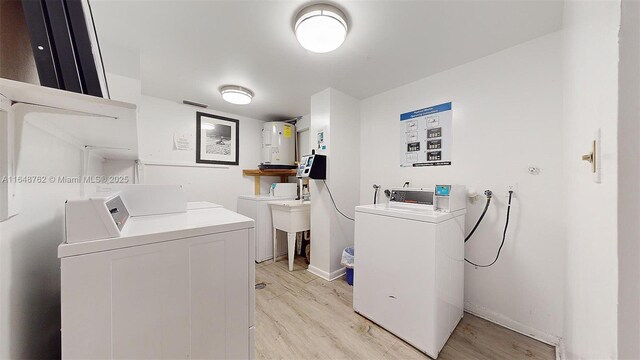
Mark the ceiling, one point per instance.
(188, 49)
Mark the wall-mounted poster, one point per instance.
(183, 141)
(217, 139)
(426, 136)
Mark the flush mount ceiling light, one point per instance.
(321, 28)
(236, 94)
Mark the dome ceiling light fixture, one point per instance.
(236, 94)
(321, 28)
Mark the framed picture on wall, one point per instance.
(217, 139)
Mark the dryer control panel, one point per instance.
(95, 218)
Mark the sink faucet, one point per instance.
(302, 195)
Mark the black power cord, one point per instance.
(504, 233)
(334, 202)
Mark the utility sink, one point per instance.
(290, 216)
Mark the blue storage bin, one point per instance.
(350, 276)
(348, 260)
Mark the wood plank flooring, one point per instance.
(300, 316)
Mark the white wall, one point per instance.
(343, 175)
(320, 263)
(123, 168)
(124, 88)
(302, 127)
(339, 115)
(29, 266)
(507, 115)
(159, 119)
(629, 183)
(590, 102)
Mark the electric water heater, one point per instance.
(278, 146)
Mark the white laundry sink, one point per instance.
(291, 215)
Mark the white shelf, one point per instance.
(39, 95)
(106, 126)
(176, 164)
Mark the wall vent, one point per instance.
(193, 103)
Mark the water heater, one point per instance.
(278, 146)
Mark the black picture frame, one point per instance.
(225, 140)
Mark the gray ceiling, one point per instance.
(188, 49)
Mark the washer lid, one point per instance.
(197, 205)
(144, 230)
(430, 216)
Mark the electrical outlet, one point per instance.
(511, 187)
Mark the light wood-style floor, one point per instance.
(300, 316)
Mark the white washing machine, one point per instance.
(178, 284)
(409, 264)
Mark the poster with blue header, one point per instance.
(426, 136)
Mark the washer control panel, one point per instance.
(412, 196)
(443, 190)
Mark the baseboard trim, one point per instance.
(317, 272)
(513, 325)
(561, 350)
(326, 275)
(337, 274)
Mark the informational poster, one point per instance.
(320, 136)
(426, 136)
(182, 141)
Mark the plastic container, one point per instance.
(348, 261)
(350, 276)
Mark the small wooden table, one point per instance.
(284, 175)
